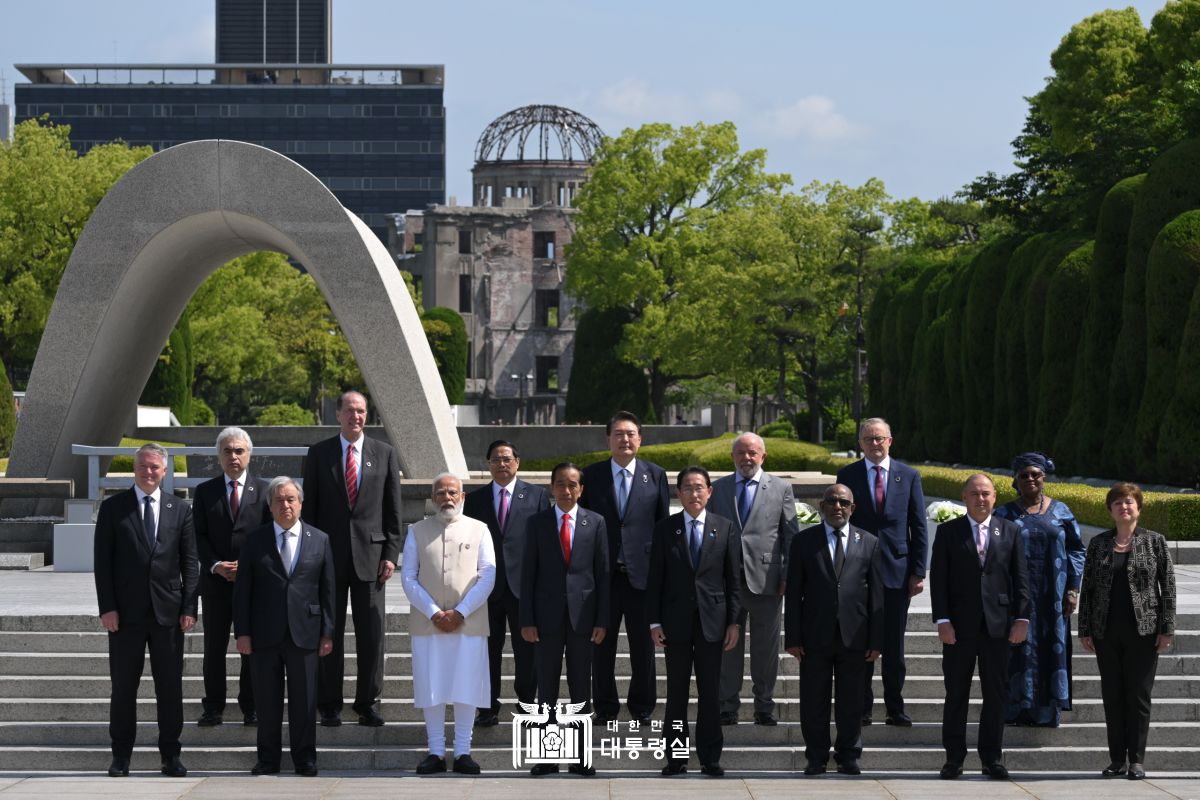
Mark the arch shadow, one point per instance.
(161, 230)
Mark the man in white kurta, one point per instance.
(449, 570)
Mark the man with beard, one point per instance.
(449, 569)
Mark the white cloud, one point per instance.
(813, 118)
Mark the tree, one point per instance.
(8, 413)
(47, 193)
(601, 383)
(170, 383)
(643, 235)
(285, 414)
(447, 335)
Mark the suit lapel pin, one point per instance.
(583, 522)
(168, 505)
(645, 478)
(368, 463)
(521, 496)
(467, 545)
(678, 532)
(995, 532)
(857, 537)
(249, 488)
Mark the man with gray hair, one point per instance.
(224, 510)
(146, 574)
(449, 569)
(763, 511)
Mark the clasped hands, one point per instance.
(447, 621)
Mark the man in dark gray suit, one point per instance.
(283, 620)
(505, 504)
(146, 576)
(763, 511)
(353, 488)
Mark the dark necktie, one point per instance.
(502, 517)
(351, 476)
(839, 554)
(623, 493)
(696, 540)
(233, 500)
(148, 522)
(879, 490)
(744, 503)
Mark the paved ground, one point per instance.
(369, 787)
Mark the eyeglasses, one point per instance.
(876, 439)
(692, 488)
(838, 501)
(233, 451)
(501, 460)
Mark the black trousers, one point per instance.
(502, 612)
(126, 660)
(629, 603)
(958, 668)
(682, 657)
(216, 596)
(269, 665)
(895, 621)
(1127, 664)
(818, 671)
(368, 612)
(576, 647)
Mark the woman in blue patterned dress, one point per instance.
(1039, 682)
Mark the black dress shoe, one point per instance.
(1114, 770)
(713, 770)
(333, 720)
(1136, 772)
(900, 720)
(370, 718)
(674, 769)
(950, 771)
(543, 769)
(866, 720)
(250, 719)
(263, 768)
(764, 718)
(308, 770)
(173, 768)
(814, 768)
(996, 771)
(580, 769)
(209, 719)
(119, 768)
(465, 765)
(487, 719)
(729, 718)
(431, 764)
(849, 766)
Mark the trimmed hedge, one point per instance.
(602, 384)
(170, 384)
(8, 414)
(1066, 298)
(1178, 437)
(447, 335)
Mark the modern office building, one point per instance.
(375, 134)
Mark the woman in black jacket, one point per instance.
(1127, 617)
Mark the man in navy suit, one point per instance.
(693, 608)
(505, 504)
(889, 503)
(146, 576)
(283, 620)
(225, 510)
(564, 591)
(631, 495)
(979, 592)
(352, 483)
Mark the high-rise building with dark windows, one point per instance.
(375, 134)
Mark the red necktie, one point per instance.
(351, 476)
(879, 490)
(564, 536)
(233, 500)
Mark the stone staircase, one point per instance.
(54, 709)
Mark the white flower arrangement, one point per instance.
(806, 514)
(944, 511)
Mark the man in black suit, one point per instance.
(693, 608)
(283, 620)
(631, 495)
(979, 592)
(505, 504)
(353, 489)
(834, 626)
(146, 575)
(564, 590)
(889, 502)
(224, 510)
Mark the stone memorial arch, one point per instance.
(158, 233)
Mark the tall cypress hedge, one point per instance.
(1078, 446)
(1172, 186)
(170, 384)
(909, 315)
(600, 383)
(1172, 273)
(1179, 436)
(447, 336)
(8, 413)
(1066, 299)
(928, 369)
(954, 300)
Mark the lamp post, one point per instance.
(521, 380)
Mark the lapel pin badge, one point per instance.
(368, 463)
(583, 522)
(857, 537)
(521, 496)
(645, 478)
(678, 532)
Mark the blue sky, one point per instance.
(925, 94)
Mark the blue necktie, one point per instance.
(623, 493)
(744, 503)
(148, 522)
(696, 539)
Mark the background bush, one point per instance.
(285, 414)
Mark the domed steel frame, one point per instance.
(577, 136)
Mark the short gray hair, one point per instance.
(234, 433)
(278, 482)
(866, 423)
(152, 447)
(750, 435)
(441, 476)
